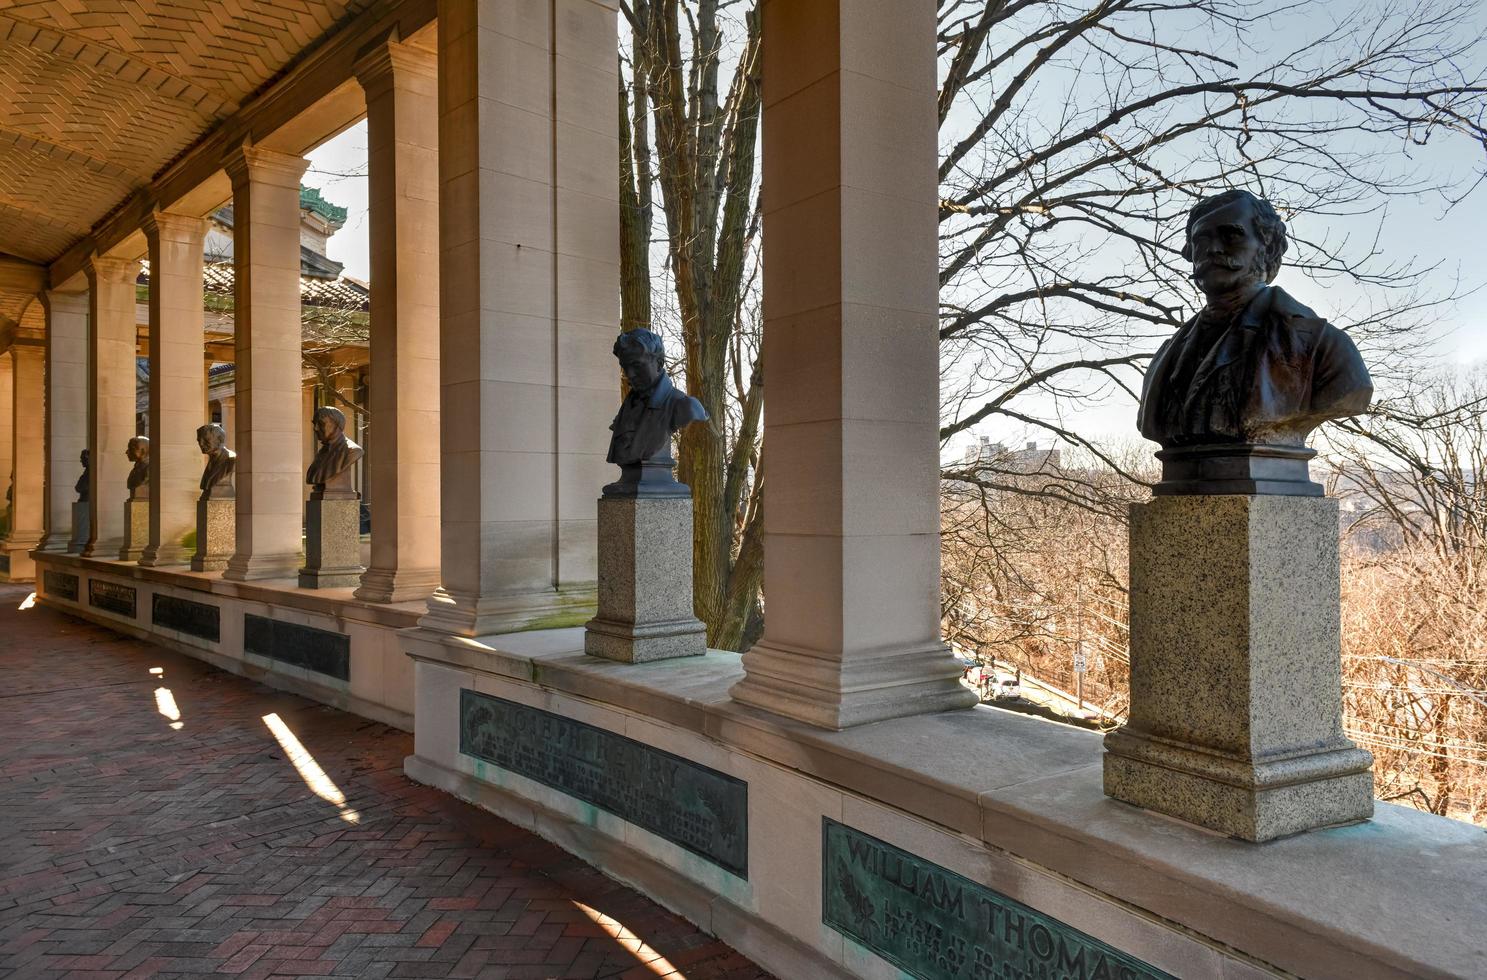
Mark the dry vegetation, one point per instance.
(1035, 563)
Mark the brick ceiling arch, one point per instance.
(97, 98)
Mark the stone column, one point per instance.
(28, 458)
(402, 463)
(529, 300)
(266, 312)
(852, 553)
(7, 436)
(66, 409)
(177, 382)
(111, 386)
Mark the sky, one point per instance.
(1421, 231)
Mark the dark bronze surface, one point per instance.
(60, 585)
(322, 651)
(699, 809)
(1254, 367)
(938, 925)
(199, 619)
(653, 411)
(112, 597)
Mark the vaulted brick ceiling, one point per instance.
(97, 97)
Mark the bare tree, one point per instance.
(1076, 136)
(702, 161)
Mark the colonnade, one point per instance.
(495, 271)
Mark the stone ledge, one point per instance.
(338, 603)
(1398, 896)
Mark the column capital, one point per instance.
(251, 164)
(386, 62)
(110, 269)
(57, 301)
(173, 227)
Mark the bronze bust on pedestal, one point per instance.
(1234, 393)
(654, 410)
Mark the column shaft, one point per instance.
(177, 382)
(529, 298)
(66, 409)
(111, 398)
(402, 462)
(266, 323)
(850, 350)
(7, 438)
(28, 458)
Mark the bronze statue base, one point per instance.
(650, 478)
(1244, 468)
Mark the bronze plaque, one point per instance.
(111, 596)
(937, 925)
(696, 808)
(60, 585)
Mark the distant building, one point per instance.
(1029, 459)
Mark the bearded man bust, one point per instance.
(1233, 395)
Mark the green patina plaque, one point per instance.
(696, 808)
(937, 925)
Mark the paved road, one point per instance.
(159, 817)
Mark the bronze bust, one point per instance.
(330, 471)
(216, 477)
(1233, 395)
(138, 453)
(654, 410)
(81, 487)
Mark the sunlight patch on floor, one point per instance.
(27, 602)
(309, 770)
(165, 703)
(652, 959)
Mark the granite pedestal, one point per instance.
(332, 541)
(136, 529)
(1236, 685)
(82, 526)
(216, 533)
(645, 581)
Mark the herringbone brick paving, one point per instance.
(134, 843)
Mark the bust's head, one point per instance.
(138, 449)
(1234, 240)
(642, 357)
(82, 458)
(328, 424)
(211, 437)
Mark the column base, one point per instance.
(16, 564)
(637, 643)
(136, 530)
(253, 568)
(1248, 799)
(397, 584)
(467, 615)
(829, 690)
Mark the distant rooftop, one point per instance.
(310, 200)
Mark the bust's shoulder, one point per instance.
(1281, 305)
(684, 408)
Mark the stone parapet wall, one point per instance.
(329, 648)
(965, 844)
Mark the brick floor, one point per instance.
(132, 848)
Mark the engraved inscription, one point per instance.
(696, 808)
(111, 596)
(323, 651)
(937, 925)
(186, 616)
(60, 585)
